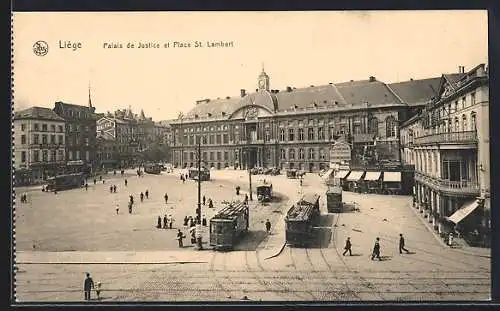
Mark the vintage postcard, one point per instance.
(251, 156)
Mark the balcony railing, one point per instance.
(454, 187)
(447, 138)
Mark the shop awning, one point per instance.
(354, 176)
(326, 176)
(341, 174)
(463, 212)
(392, 176)
(372, 175)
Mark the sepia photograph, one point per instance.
(299, 156)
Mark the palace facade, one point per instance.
(296, 127)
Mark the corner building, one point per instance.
(448, 143)
(293, 128)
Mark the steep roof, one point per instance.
(322, 96)
(416, 92)
(214, 106)
(375, 93)
(39, 113)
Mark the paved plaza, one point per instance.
(77, 231)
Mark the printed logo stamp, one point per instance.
(40, 48)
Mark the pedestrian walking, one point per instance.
(130, 207)
(204, 221)
(86, 187)
(114, 172)
(301, 182)
(376, 250)
(88, 285)
(347, 247)
(191, 222)
(402, 244)
(166, 198)
(111, 189)
(114, 188)
(186, 176)
(147, 194)
(193, 237)
(238, 190)
(95, 181)
(170, 221)
(103, 181)
(165, 222)
(117, 207)
(142, 197)
(246, 199)
(183, 179)
(126, 182)
(131, 199)
(204, 199)
(180, 236)
(450, 239)
(210, 203)
(158, 224)
(268, 226)
(185, 223)
(100, 177)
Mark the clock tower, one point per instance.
(263, 82)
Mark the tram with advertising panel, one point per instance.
(65, 182)
(300, 220)
(229, 225)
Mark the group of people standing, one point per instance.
(376, 247)
(168, 222)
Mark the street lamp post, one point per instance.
(249, 174)
(198, 210)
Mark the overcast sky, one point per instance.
(297, 49)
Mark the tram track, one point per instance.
(300, 277)
(326, 280)
(218, 284)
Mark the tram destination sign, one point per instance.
(340, 152)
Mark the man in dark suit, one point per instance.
(402, 244)
(88, 285)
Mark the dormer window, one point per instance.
(209, 114)
(196, 116)
(223, 113)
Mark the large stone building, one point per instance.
(124, 138)
(39, 144)
(80, 135)
(448, 143)
(295, 127)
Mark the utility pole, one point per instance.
(249, 175)
(198, 210)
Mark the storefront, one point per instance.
(373, 183)
(353, 181)
(392, 182)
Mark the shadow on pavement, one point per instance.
(251, 240)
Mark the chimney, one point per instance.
(461, 69)
(243, 92)
(411, 79)
(288, 88)
(372, 79)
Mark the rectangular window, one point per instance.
(291, 134)
(45, 156)
(23, 139)
(23, 127)
(218, 155)
(301, 154)
(282, 135)
(282, 154)
(37, 127)
(311, 154)
(211, 156)
(464, 103)
(473, 99)
(310, 133)
(87, 155)
(321, 133)
(211, 139)
(52, 127)
(225, 138)
(86, 139)
(44, 127)
(218, 139)
(60, 139)
(226, 155)
(36, 156)
(61, 129)
(301, 134)
(60, 155)
(52, 139)
(23, 156)
(44, 139)
(204, 155)
(204, 140)
(77, 155)
(267, 135)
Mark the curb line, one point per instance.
(107, 263)
(278, 253)
(438, 238)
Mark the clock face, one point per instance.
(261, 83)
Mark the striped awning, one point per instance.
(341, 174)
(372, 175)
(463, 212)
(392, 176)
(355, 176)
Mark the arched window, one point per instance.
(464, 122)
(373, 125)
(457, 125)
(391, 126)
(473, 121)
